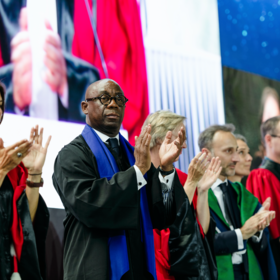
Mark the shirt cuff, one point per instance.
(141, 182)
(257, 239)
(167, 180)
(240, 242)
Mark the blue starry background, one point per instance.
(250, 36)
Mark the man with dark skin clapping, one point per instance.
(112, 193)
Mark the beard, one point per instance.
(226, 171)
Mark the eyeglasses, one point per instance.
(273, 135)
(106, 99)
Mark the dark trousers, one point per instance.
(239, 272)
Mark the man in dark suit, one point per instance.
(241, 241)
(113, 195)
(66, 75)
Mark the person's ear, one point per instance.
(84, 106)
(267, 140)
(159, 141)
(206, 151)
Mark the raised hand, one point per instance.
(266, 204)
(142, 150)
(170, 150)
(211, 175)
(35, 159)
(11, 156)
(256, 223)
(198, 166)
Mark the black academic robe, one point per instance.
(191, 256)
(96, 206)
(32, 264)
(80, 74)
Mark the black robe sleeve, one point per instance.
(96, 202)
(32, 265)
(107, 204)
(225, 243)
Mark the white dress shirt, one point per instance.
(141, 182)
(237, 256)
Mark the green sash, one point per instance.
(247, 204)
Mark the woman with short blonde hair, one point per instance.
(202, 174)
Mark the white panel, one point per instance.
(15, 128)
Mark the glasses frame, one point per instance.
(110, 99)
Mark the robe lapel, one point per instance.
(214, 205)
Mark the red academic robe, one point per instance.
(262, 183)
(120, 34)
(161, 238)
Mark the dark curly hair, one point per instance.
(2, 93)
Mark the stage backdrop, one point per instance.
(250, 37)
(184, 64)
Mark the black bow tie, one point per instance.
(113, 142)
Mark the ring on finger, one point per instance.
(19, 155)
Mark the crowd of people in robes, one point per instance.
(129, 213)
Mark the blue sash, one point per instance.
(107, 167)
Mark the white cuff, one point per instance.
(167, 180)
(141, 182)
(257, 239)
(239, 239)
(64, 97)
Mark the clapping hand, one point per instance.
(211, 175)
(170, 150)
(197, 167)
(36, 156)
(142, 150)
(11, 156)
(256, 223)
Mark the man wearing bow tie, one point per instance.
(241, 242)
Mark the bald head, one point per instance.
(104, 118)
(98, 85)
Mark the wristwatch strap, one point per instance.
(31, 184)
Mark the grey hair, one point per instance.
(161, 122)
(269, 126)
(206, 137)
(241, 137)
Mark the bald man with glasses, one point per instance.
(112, 193)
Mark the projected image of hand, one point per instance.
(55, 75)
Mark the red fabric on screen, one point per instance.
(17, 177)
(161, 238)
(262, 183)
(120, 35)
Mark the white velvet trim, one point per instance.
(15, 276)
(12, 250)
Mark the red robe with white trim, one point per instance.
(161, 238)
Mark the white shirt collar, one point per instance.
(217, 183)
(104, 137)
